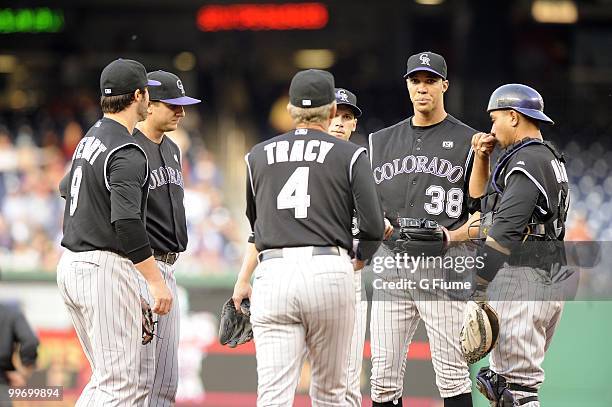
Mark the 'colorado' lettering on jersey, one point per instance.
(166, 175)
(437, 166)
(423, 172)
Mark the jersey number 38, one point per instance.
(451, 201)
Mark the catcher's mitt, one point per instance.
(479, 331)
(235, 327)
(148, 325)
(421, 236)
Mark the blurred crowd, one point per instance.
(35, 152)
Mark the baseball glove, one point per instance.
(235, 327)
(479, 332)
(422, 236)
(148, 325)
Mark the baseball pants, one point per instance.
(303, 306)
(394, 320)
(102, 295)
(529, 310)
(353, 388)
(165, 381)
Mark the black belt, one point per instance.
(316, 251)
(169, 257)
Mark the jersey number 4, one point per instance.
(453, 202)
(294, 194)
(75, 186)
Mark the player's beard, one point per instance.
(142, 110)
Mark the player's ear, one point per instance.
(444, 85)
(514, 118)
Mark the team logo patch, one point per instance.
(448, 144)
(341, 94)
(179, 85)
(424, 58)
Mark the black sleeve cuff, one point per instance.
(251, 238)
(493, 261)
(133, 239)
(473, 205)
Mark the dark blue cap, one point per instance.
(171, 90)
(123, 76)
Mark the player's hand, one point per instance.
(483, 144)
(358, 264)
(242, 290)
(388, 229)
(162, 297)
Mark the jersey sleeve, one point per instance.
(516, 208)
(250, 200)
(127, 172)
(367, 206)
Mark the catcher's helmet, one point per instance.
(521, 98)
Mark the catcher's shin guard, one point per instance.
(499, 392)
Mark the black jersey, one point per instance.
(303, 187)
(423, 172)
(88, 215)
(166, 225)
(532, 188)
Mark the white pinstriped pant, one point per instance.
(529, 311)
(303, 305)
(165, 382)
(102, 296)
(394, 320)
(353, 388)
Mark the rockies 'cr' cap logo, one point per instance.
(341, 94)
(179, 85)
(424, 59)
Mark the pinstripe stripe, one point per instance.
(303, 306)
(100, 290)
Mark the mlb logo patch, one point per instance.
(448, 144)
(107, 91)
(301, 132)
(306, 102)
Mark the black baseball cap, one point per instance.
(123, 76)
(348, 98)
(426, 61)
(171, 90)
(311, 88)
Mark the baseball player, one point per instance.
(528, 198)
(108, 254)
(15, 333)
(421, 167)
(166, 224)
(302, 189)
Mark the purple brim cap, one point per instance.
(151, 82)
(182, 101)
(423, 69)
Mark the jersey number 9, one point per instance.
(75, 186)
